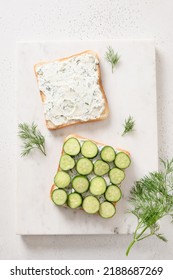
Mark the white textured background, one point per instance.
(67, 19)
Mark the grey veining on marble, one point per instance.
(131, 89)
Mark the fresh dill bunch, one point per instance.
(151, 199)
(112, 57)
(32, 138)
(128, 125)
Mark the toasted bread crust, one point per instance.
(104, 114)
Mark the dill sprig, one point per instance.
(32, 138)
(152, 199)
(128, 125)
(112, 57)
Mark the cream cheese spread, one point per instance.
(71, 89)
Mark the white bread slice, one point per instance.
(82, 138)
(103, 115)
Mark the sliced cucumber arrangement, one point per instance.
(122, 160)
(89, 177)
(107, 210)
(108, 154)
(80, 184)
(72, 146)
(59, 196)
(89, 149)
(62, 179)
(113, 193)
(116, 176)
(97, 186)
(66, 162)
(91, 204)
(74, 200)
(101, 167)
(84, 166)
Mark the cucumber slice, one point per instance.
(89, 149)
(113, 193)
(72, 146)
(80, 184)
(108, 154)
(66, 162)
(91, 204)
(101, 167)
(59, 196)
(97, 186)
(62, 179)
(74, 200)
(122, 160)
(107, 210)
(84, 166)
(116, 176)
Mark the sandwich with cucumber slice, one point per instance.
(89, 176)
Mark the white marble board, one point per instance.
(130, 90)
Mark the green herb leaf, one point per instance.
(162, 237)
(112, 57)
(31, 137)
(152, 199)
(128, 125)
